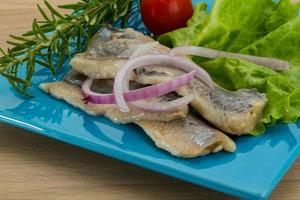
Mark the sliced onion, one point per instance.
(139, 94)
(122, 78)
(164, 106)
(272, 63)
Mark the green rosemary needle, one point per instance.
(55, 35)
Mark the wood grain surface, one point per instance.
(35, 167)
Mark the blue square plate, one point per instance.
(252, 172)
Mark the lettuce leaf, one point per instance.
(284, 12)
(232, 24)
(283, 43)
(255, 27)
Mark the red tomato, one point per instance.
(162, 16)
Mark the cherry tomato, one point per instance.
(162, 16)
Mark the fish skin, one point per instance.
(182, 137)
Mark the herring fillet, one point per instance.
(74, 96)
(183, 137)
(189, 137)
(110, 48)
(235, 112)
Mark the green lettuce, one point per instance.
(283, 43)
(255, 27)
(284, 12)
(232, 24)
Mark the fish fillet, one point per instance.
(186, 137)
(110, 48)
(73, 95)
(233, 112)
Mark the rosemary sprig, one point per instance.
(56, 34)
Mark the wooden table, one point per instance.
(36, 167)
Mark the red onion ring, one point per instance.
(272, 63)
(139, 94)
(122, 78)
